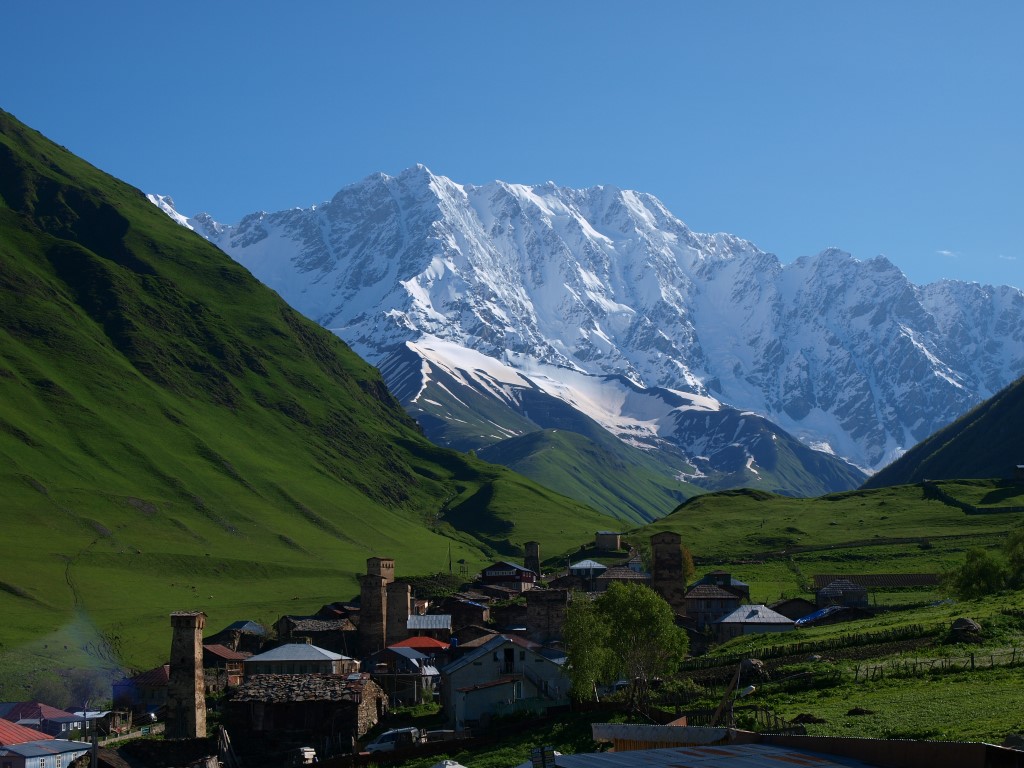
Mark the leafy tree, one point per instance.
(981, 574)
(1014, 549)
(627, 632)
(689, 571)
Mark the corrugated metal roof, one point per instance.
(663, 734)
(407, 653)
(429, 644)
(34, 710)
(588, 565)
(754, 614)
(721, 756)
(245, 626)
(429, 621)
(503, 565)
(297, 652)
(152, 677)
(45, 748)
(12, 733)
(223, 652)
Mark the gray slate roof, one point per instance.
(289, 688)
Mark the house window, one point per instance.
(522, 655)
(58, 763)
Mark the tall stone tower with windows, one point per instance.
(532, 559)
(667, 572)
(385, 606)
(186, 689)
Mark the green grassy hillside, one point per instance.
(988, 441)
(173, 436)
(777, 543)
(596, 468)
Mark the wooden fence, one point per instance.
(915, 667)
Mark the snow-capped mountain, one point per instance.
(847, 355)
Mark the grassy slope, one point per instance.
(778, 543)
(173, 436)
(598, 469)
(986, 442)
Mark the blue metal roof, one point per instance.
(46, 747)
(819, 614)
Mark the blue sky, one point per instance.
(892, 128)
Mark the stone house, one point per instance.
(502, 676)
(223, 667)
(607, 541)
(546, 611)
(725, 580)
(242, 636)
(464, 610)
(299, 659)
(622, 574)
(314, 706)
(706, 604)
(842, 592)
(587, 571)
(405, 674)
(333, 633)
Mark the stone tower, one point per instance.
(373, 600)
(384, 567)
(667, 570)
(373, 604)
(546, 610)
(532, 560)
(186, 689)
(399, 604)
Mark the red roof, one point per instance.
(34, 710)
(12, 733)
(223, 652)
(153, 678)
(421, 643)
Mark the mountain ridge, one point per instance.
(846, 355)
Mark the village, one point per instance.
(321, 685)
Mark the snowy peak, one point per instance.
(847, 355)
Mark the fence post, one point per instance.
(972, 662)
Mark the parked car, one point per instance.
(396, 738)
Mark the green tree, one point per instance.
(689, 571)
(981, 574)
(627, 632)
(1014, 550)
